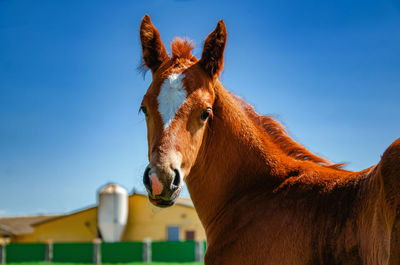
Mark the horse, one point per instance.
(262, 197)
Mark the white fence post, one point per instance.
(97, 251)
(147, 250)
(199, 250)
(49, 251)
(2, 252)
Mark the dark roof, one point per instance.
(20, 225)
(4, 231)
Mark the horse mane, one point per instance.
(280, 137)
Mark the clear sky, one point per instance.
(70, 89)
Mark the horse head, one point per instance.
(178, 105)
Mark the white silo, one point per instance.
(112, 212)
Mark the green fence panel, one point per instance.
(25, 252)
(173, 251)
(73, 252)
(121, 252)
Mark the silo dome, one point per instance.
(112, 214)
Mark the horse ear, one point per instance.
(154, 52)
(212, 58)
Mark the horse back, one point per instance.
(380, 216)
(390, 175)
(390, 171)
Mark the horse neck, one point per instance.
(233, 160)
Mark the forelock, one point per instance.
(182, 49)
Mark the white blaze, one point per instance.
(172, 96)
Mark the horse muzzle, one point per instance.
(163, 186)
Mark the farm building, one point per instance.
(143, 221)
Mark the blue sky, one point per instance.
(70, 91)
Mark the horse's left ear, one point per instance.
(212, 58)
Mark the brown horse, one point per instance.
(261, 197)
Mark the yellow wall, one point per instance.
(144, 221)
(24, 238)
(77, 227)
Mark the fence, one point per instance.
(98, 252)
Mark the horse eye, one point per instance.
(205, 114)
(144, 110)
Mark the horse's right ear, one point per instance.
(154, 52)
(212, 58)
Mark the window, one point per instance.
(173, 233)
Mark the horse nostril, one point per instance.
(146, 178)
(177, 179)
